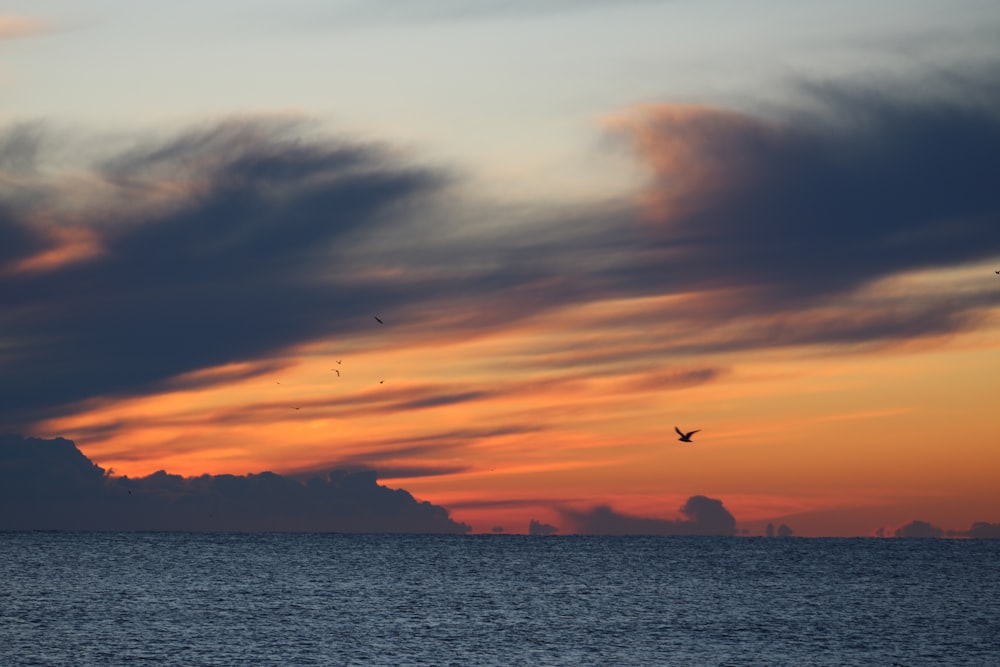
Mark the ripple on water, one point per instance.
(287, 599)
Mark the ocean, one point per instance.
(332, 599)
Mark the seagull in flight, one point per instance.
(685, 437)
(379, 320)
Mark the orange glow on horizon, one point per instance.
(511, 426)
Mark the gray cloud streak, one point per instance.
(224, 272)
(235, 242)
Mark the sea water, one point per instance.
(325, 599)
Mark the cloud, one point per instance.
(808, 212)
(233, 243)
(980, 530)
(51, 485)
(221, 245)
(704, 516)
(536, 527)
(782, 531)
(919, 529)
(436, 451)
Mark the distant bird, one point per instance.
(685, 437)
(338, 361)
(381, 381)
(379, 320)
(997, 272)
(296, 408)
(338, 372)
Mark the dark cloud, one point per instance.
(790, 229)
(17, 240)
(235, 242)
(919, 529)
(705, 516)
(242, 260)
(51, 485)
(980, 530)
(536, 527)
(813, 205)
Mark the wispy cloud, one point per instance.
(238, 243)
(246, 259)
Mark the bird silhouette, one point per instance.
(379, 320)
(338, 372)
(685, 437)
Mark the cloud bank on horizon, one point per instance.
(51, 485)
(702, 516)
(129, 270)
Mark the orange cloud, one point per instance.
(68, 246)
(692, 151)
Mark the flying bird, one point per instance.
(685, 437)
(338, 372)
(379, 320)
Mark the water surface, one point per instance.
(322, 599)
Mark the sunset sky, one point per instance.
(582, 223)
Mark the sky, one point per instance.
(581, 224)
